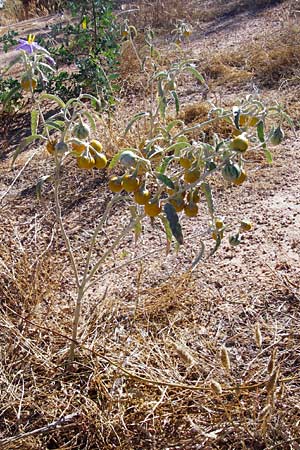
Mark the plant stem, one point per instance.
(95, 24)
(94, 237)
(108, 252)
(76, 318)
(61, 224)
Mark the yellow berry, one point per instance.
(191, 209)
(115, 184)
(190, 176)
(130, 183)
(152, 208)
(241, 178)
(142, 197)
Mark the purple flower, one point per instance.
(29, 47)
(50, 60)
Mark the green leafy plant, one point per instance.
(90, 43)
(8, 40)
(10, 95)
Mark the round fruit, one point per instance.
(115, 184)
(100, 160)
(50, 147)
(85, 161)
(215, 234)
(177, 202)
(78, 148)
(246, 225)
(253, 121)
(152, 208)
(96, 145)
(241, 178)
(191, 209)
(142, 197)
(28, 83)
(231, 172)
(186, 163)
(81, 131)
(190, 176)
(130, 183)
(239, 143)
(61, 147)
(234, 240)
(219, 223)
(277, 136)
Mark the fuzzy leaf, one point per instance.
(137, 230)
(165, 180)
(260, 131)
(196, 74)
(162, 74)
(206, 189)
(167, 228)
(165, 162)
(162, 106)
(268, 155)
(34, 121)
(90, 119)
(176, 100)
(47, 66)
(53, 98)
(135, 118)
(177, 147)
(160, 89)
(55, 124)
(173, 124)
(174, 222)
(92, 98)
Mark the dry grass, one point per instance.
(18, 10)
(266, 60)
(187, 398)
(160, 14)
